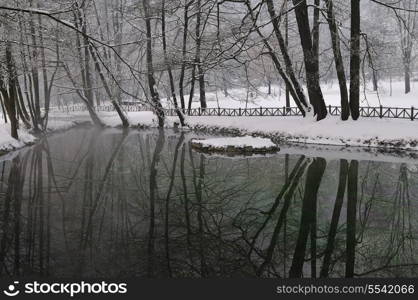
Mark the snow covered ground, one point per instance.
(370, 132)
(62, 121)
(242, 141)
(256, 98)
(388, 133)
(8, 143)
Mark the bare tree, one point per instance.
(168, 64)
(311, 64)
(339, 64)
(355, 60)
(8, 92)
(150, 68)
(406, 19)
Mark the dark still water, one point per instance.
(90, 203)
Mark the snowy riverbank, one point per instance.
(59, 122)
(385, 134)
(388, 134)
(389, 94)
(7, 143)
(371, 132)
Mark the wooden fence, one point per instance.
(366, 112)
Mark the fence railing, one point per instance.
(410, 113)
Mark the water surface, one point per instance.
(115, 203)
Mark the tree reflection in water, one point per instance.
(127, 203)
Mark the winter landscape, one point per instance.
(219, 138)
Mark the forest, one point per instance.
(159, 53)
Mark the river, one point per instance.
(142, 203)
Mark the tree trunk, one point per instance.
(3, 109)
(225, 85)
(315, 34)
(287, 47)
(118, 22)
(33, 57)
(121, 114)
(20, 104)
(277, 63)
(26, 76)
(150, 69)
(339, 64)
(284, 51)
(25, 115)
(192, 83)
(375, 80)
(198, 62)
(184, 49)
(89, 85)
(93, 115)
(9, 94)
(407, 78)
(10, 106)
(390, 83)
(81, 60)
(168, 66)
(355, 60)
(47, 98)
(14, 122)
(311, 64)
(83, 43)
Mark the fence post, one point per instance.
(199, 111)
(261, 111)
(329, 109)
(239, 111)
(381, 111)
(219, 111)
(412, 113)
